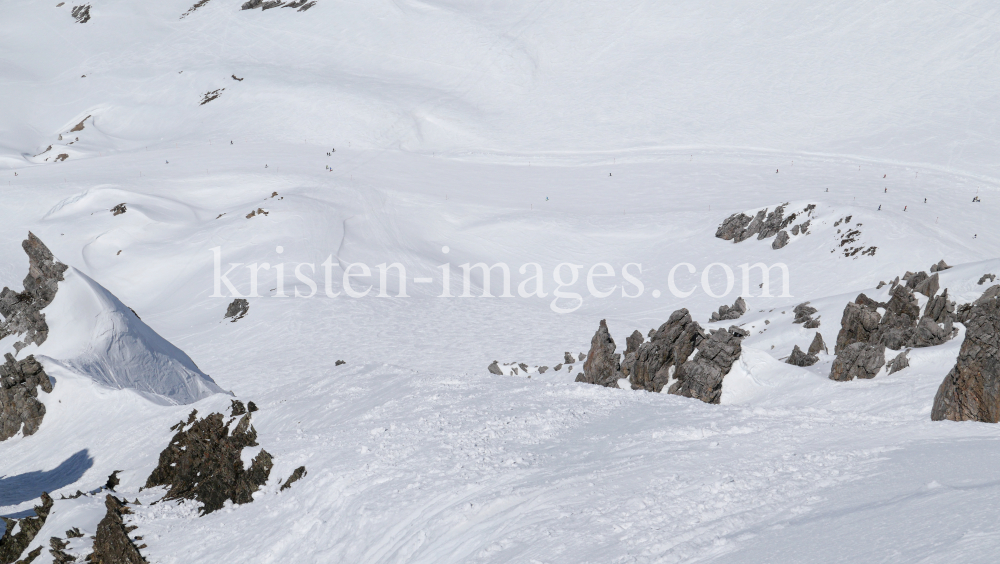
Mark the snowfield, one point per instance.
(552, 137)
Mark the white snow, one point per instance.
(488, 128)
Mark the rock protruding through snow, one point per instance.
(20, 532)
(971, 390)
(22, 311)
(701, 377)
(602, 364)
(652, 364)
(203, 462)
(20, 408)
(112, 543)
(726, 313)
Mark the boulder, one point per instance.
(929, 334)
(237, 309)
(985, 277)
(913, 279)
(495, 369)
(859, 321)
(858, 360)
(939, 266)
(929, 286)
(971, 390)
(803, 312)
(725, 312)
(701, 377)
(898, 363)
(781, 240)
(733, 226)
(669, 347)
(568, 358)
(817, 345)
(799, 358)
(602, 364)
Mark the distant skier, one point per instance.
(886, 190)
(168, 162)
(925, 200)
(230, 142)
(775, 171)
(265, 166)
(883, 176)
(904, 208)
(880, 207)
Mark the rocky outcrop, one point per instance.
(781, 240)
(495, 368)
(985, 277)
(898, 363)
(971, 390)
(237, 310)
(119, 209)
(929, 286)
(858, 360)
(940, 308)
(725, 312)
(859, 322)
(12, 543)
(701, 377)
(941, 265)
(297, 475)
(803, 314)
(203, 462)
(112, 544)
(799, 358)
(602, 364)
(81, 13)
(22, 310)
(20, 409)
(655, 362)
(817, 345)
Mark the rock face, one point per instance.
(602, 364)
(971, 390)
(203, 462)
(858, 360)
(297, 475)
(799, 358)
(726, 313)
(939, 266)
(237, 310)
(22, 311)
(859, 322)
(817, 345)
(655, 362)
(929, 286)
(781, 240)
(898, 363)
(701, 377)
(12, 545)
(19, 405)
(112, 544)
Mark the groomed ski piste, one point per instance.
(149, 152)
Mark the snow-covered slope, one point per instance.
(93, 333)
(467, 133)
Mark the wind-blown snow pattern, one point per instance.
(548, 132)
(93, 333)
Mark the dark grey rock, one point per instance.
(568, 358)
(799, 358)
(940, 308)
(701, 377)
(20, 409)
(929, 334)
(112, 543)
(859, 321)
(858, 360)
(781, 240)
(602, 364)
(669, 347)
(971, 390)
(803, 312)
(12, 545)
(22, 311)
(523, 366)
(495, 369)
(297, 475)
(939, 266)
(557, 367)
(811, 324)
(929, 286)
(733, 226)
(203, 463)
(898, 363)
(914, 279)
(237, 310)
(81, 13)
(119, 209)
(985, 277)
(542, 369)
(817, 345)
(727, 313)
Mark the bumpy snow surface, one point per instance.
(436, 132)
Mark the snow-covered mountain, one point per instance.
(294, 197)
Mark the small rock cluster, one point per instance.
(865, 333)
(516, 368)
(19, 405)
(119, 209)
(803, 314)
(202, 461)
(81, 13)
(727, 313)
(740, 226)
(665, 360)
(301, 5)
(13, 544)
(237, 310)
(803, 359)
